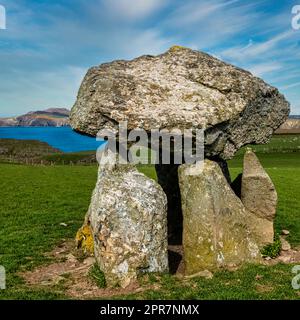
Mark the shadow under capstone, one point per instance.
(167, 176)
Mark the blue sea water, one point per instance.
(62, 138)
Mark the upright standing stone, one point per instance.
(215, 230)
(259, 196)
(128, 217)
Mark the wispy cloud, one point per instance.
(212, 23)
(260, 70)
(292, 85)
(196, 12)
(275, 58)
(39, 90)
(49, 45)
(254, 50)
(137, 10)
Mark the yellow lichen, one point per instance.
(176, 48)
(84, 239)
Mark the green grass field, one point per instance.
(36, 199)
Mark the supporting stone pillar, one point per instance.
(259, 197)
(128, 219)
(215, 230)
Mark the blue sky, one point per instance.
(49, 44)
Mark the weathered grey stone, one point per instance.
(167, 176)
(262, 230)
(128, 218)
(259, 197)
(215, 230)
(179, 89)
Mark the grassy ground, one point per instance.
(34, 200)
(250, 282)
(81, 158)
(279, 144)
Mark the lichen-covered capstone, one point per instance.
(259, 197)
(180, 89)
(128, 217)
(215, 230)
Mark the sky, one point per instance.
(49, 45)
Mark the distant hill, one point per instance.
(53, 117)
(59, 117)
(292, 125)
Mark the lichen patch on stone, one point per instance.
(84, 239)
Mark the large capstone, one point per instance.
(259, 196)
(215, 223)
(128, 218)
(180, 89)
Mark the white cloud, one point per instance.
(39, 90)
(149, 41)
(195, 12)
(42, 64)
(257, 49)
(130, 9)
(211, 23)
(289, 74)
(45, 43)
(254, 50)
(262, 69)
(292, 85)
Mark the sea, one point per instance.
(62, 138)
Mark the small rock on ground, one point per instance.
(285, 246)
